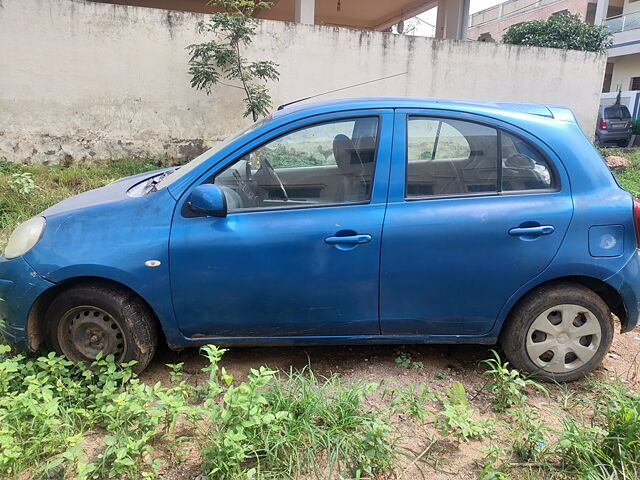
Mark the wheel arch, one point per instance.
(36, 321)
(606, 292)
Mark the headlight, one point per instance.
(25, 237)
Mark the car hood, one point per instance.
(114, 192)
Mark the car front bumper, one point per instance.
(20, 286)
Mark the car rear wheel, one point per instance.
(559, 332)
(623, 143)
(98, 318)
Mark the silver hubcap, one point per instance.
(563, 338)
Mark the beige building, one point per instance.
(623, 65)
(491, 24)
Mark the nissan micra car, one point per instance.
(344, 222)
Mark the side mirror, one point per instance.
(208, 200)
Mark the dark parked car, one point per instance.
(614, 125)
(355, 221)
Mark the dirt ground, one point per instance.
(442, 365)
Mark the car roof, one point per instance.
(475, 106)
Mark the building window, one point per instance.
(485, 37)
(635, 83)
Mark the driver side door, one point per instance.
(298, 253)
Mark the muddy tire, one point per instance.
(92, 318)
(559, 332)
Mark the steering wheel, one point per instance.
(274, 175)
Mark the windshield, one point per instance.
(617, 112)
(196, 162)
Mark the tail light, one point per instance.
(636, 219)
(630, 123)
(603, 124)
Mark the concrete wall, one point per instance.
(81, 79)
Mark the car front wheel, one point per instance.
(100, 318)
(559, 332)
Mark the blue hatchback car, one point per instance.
(388, 220)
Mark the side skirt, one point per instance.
(341, 340)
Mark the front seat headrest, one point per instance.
(346, 156)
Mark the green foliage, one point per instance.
(529, 434)
(411, 400)
(273, 428)
(48, 404)
(491, 467)
(608, 446)
(281, 156)
(508, 384)
(220, 59)
(459, 418)
(405, 360)
(22, 182)
(298, 426)
(563, 30)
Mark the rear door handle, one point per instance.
(350, 240)
(532, 231)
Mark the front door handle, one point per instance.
(349, 240)
(532, 231)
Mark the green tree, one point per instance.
(220, 60)
(564, 30)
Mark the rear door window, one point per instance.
(450, 157)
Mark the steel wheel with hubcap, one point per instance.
(101, 317)
(559, 332)
(564, 338)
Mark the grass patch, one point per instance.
(629, 178)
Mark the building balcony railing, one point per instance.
(622, 23)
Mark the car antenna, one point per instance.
(339, 89)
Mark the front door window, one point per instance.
(325, 164)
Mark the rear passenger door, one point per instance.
(475, 211)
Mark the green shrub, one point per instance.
(564, 30)
(508, 384)
(457, 417)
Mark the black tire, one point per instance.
(623, 143)
(516, 331)
(90, 318)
